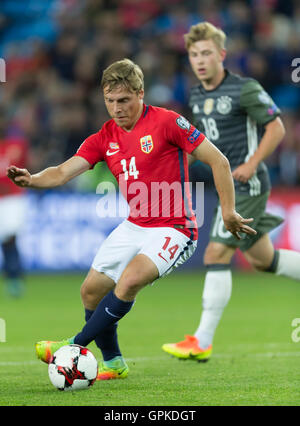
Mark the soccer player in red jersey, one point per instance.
(145, 148)
(12, 208)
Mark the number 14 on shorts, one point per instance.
(168, 250)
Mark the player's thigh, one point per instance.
(95, 286)
(162, 250)
(118, 250)
(137, 274)
(167, 248)
(218, 253)
(247, 206)
(261, 254)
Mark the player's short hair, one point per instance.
(123, 73)
(205, 31)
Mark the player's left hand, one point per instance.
(235, 224)
(244, 172)
(20, 177)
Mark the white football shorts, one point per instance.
(165, 246)
(12, 215)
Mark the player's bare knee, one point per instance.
(89, 296)
(217, 253)
(258, 264)
(94, 288)
(86, 294)
(210, 258)
(128, 287)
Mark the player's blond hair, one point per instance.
(205, 31)
(123, 73)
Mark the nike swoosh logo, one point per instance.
(108, 152)
(109, 313)
(159, 254)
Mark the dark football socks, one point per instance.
(11, 260)
(109, 311)
(107, 341)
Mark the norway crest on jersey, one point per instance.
(146, 144)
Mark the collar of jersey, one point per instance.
(221, 82)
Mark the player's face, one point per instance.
(123, 106)
(206, 59)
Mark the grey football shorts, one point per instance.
(247, 207)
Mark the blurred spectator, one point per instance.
(13, 150)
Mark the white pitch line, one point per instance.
(6, 348)
(18, 363)
(260, 355)
(161, 358)
(21, 349)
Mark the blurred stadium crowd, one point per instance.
(55, 51)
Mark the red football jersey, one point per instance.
(12, 151)
(150, 165)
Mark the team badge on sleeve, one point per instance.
(146, 144)
(183, 123)
(264, 97)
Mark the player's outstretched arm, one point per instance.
(208, 153)
(50, 177)
(274, 132)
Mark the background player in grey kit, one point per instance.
(241, 119)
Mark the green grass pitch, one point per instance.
(255, 361)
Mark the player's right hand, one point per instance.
(235, 224)
(20, 177)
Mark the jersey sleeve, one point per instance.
(90, 149)
(182, 133)
(257, 103)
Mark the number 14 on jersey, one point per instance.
(132, 170)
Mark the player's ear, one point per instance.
(223, 53)
(141, 94)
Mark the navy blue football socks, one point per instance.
(107, 341)
(11, 260)
(109, 311)
(12, 267)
